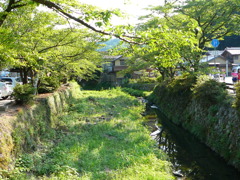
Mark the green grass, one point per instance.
(101, 136)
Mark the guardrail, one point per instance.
(230, 86)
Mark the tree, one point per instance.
(161, 47)
(176, 34)
(213, 19)
(68, 10)
(33, 43)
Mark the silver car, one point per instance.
(6, 90)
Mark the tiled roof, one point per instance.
(233, 50)
(112, 58)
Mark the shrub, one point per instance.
(144, 80)
(23, 94)
(237, 100)
(182, 85)
(141, 86)
(209, 92)
(137, 93)
(48, 84)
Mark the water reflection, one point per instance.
(189, 157)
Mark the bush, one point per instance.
(144, 80)
(23, 94)
(48, 84)
(237, 100)
(137, 93)
(182, 85)
(209, 92)
(141, 86)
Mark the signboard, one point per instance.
(215, 43)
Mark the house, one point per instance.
(215, 59)
(220, 62)
(210, 55)
(224, 60)
(232, 55)
(112, 69)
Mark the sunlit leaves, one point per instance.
(176, 35)
(32, 40)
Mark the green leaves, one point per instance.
(33, 41)
(175, 35)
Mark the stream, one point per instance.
(191, 159)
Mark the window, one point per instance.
(122, 62)
(236, 57)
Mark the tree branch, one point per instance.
(57, 8)
(57, 45)
(12, 4)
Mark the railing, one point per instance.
(230, 86)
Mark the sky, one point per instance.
(134, 8)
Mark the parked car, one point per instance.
(11, 81)
(6, 90)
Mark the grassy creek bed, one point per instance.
(100, 136)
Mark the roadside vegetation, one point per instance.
(100, 136)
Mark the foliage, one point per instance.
(175, 94)
(135, 92)
(48, 84)
(143, 80)
(208, 91)
(141, 86)
(174, 36)
(182, 84)
(161, 48)
(23, 94)
(210, 23)
(237, 100)
(34, 43)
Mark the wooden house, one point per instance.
(112, 69)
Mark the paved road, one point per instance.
(227, 80)
(5, 103)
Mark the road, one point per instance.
(5, 103)
(227, 80)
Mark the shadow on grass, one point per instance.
(97, 137)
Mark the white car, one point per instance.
(6, 90)
(11, 81)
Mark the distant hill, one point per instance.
(229, 41)
(109, 44)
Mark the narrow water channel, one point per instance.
(190, 158)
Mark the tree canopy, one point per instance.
(174, 36)
(35, 42)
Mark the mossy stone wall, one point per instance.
(217, 126)
(23, 131)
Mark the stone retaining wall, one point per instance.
(216, 126)
(24, 130)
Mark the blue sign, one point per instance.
(215, 43)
